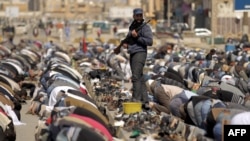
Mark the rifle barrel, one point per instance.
(142, 25)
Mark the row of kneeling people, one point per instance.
(64, 104)
(16, 65)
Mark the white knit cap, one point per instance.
(228, 79)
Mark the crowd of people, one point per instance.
(186, 94)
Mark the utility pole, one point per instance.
(169, 13)
(213, 21)
(10, 18)
(245, 23)
(42, 3)
(193, 16)
(76, 8)
(34, 7)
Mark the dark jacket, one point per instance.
(144, 39)
(209, 56)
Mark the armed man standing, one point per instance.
(136, 44)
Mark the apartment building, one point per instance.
(21, 4)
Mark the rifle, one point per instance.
(118, 48)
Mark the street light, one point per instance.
(169, 12)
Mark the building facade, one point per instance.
(224, 20)
(34, 5)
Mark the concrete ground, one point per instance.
(26, 132)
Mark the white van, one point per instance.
(21, 28)
(105, 26)
(121, 33)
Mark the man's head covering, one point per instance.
(241, 119)
(137, 11)
(228, 79)
(212, 50)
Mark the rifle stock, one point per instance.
(117, 50)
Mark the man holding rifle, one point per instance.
(139, 37)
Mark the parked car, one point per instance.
(163, 27)
(202, 32)
(21, 28)
(121, 33)
(179, 26)
(104, 26)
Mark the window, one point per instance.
(81, 5)
(62, 3)
(72, 9)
